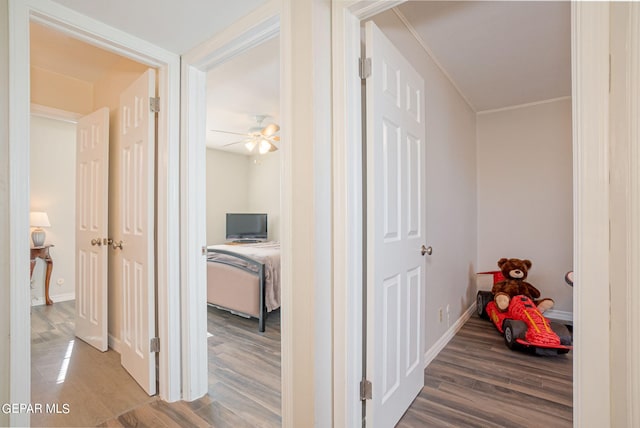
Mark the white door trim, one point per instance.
(97, 33)
(348, 206)
(347, 17)
(633, 257)
(625, 213)
(590, 77)
(257, 27)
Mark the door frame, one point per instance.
(258, 27)
(591, 216)
(45, 12)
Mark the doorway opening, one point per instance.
(242, 193)
(460, 150)
(70, 79)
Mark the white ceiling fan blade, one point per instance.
(228, 132)
(270, 129)
(236, 142)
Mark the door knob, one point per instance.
(426, 250)
(97, 242)
(117, 245)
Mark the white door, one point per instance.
(92, 183)
(395, 230)
(133, 242)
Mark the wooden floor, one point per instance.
(244, 380)
(244, 377)
(476, 381)
(67, 371)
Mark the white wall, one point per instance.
(239, 183)
(264, 189)
(450, 186)
(53, 184)
(227, 184)
(525, 193)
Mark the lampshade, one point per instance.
(39, 219)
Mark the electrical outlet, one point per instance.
(440, 314)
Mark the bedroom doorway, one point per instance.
(95, 78)
(242, 193)
(252, 41)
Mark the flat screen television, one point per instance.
(246, 227)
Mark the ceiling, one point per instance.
(241, 89)
(56, 52)
(176, 26)
(497, 54)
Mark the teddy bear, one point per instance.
(515, 272)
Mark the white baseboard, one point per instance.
(562, 316)
(448, 335)
(114, 344)
(63, 297)
(38, 301)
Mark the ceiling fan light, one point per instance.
(250, 145)
(265, 147)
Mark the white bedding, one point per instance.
(267, 253)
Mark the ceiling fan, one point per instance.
(262, 137)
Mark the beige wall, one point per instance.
(60, 91)
(525, 196)
(227, 183)
(264, 189)
(53, 184)
(450, 186)
(5, 308)
(240, 183)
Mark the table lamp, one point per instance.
(38, 220)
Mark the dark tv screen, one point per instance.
(246, 226)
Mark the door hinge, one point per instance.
(364, 65)
(154, 104)
(365, 390)
(154, 344)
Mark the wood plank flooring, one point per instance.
(65, 370)
(476, 381)
(244, 380)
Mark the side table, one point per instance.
(43, 253)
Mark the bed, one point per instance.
(244, 278)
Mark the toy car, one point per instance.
(524, 327)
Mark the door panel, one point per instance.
(395, 230)
(136, 232)
(92, 181)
